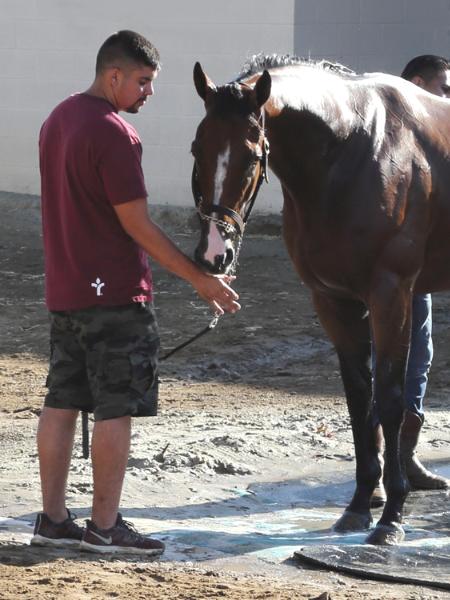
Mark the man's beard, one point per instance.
(134, 108)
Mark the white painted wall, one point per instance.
(48, 49)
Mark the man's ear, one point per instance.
(113, 76)
(418, 80)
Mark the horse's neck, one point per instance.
(311, 116)
(300, 146)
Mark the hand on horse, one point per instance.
(216, 291)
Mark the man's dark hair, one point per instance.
(426, 66)
(127, 46)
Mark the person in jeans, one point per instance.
(103, 334)
(431, 73)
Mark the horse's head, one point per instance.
(230, 151)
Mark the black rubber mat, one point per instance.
(423, 559)
(405, 564)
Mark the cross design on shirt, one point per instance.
(98, 285)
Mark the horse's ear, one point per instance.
(203, 83)
(262, 88)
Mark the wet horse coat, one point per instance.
(364, 166)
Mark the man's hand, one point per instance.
(215, 289)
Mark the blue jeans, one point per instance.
(420, 355)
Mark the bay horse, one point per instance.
(364, 167)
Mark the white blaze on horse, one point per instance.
(364, 166)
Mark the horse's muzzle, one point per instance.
(222, 264)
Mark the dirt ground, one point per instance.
(256, 401)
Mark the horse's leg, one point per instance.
(346, 323)
(390, 315)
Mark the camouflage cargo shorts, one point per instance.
(104, 360)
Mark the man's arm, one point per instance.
(214, 289)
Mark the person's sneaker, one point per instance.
(123, 538)
(59, 535)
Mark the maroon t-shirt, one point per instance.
(90, 160)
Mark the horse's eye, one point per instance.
(254, 160)
(251, 166)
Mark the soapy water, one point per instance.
(276, 522)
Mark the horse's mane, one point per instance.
(259, 62)
(231, 98)
(391, 99)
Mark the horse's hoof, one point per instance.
(386, 535)
(352, 521)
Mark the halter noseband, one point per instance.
(238, 223)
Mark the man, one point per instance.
(104, 340)
(431, 73)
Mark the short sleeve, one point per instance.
(120, 165)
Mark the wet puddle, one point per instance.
(271, 523)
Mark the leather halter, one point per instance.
(238, 222)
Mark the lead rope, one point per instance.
(210, 326)
(85, 433)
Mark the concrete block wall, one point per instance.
(48, 48)
(372, 35)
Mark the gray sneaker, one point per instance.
(123, 538)
(59, 535)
